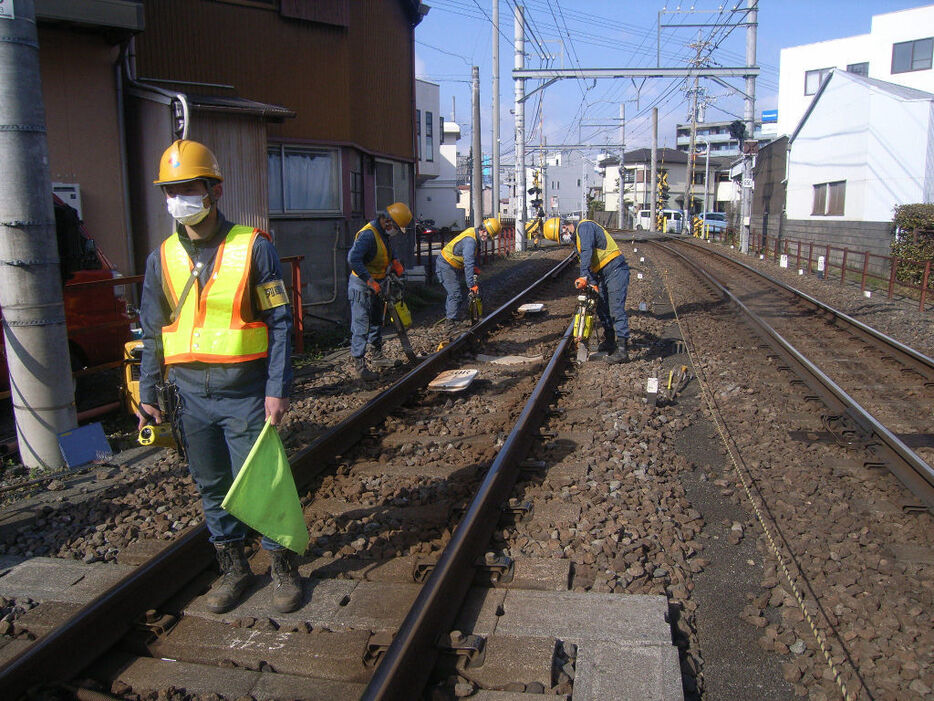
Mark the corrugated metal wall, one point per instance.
(240, 146)
(351, 85)
(80, 96)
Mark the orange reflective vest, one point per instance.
(376, 267)
(214, 325)
(601, 256)
(448, 251)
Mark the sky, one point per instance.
(457, 34)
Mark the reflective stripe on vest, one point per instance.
(448, 251)
(601, 256)
(376, 267)
(212, 325)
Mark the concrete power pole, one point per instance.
(34, 330)
(749, 116)
(622, 165)
(496, 108)
(687, 225)
(689, 175)
(476, 180)
(519, 64)
(654, 167)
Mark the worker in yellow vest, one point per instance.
(460, 256)
(217, 325)
(602, 265)
(370, 259)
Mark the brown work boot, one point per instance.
(235, 577)
(287, 585)
(361, 371)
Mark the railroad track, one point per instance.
(879, 391)
(400, 646)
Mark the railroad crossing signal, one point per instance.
(536, 192)
(663, 189)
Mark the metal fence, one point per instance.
(910, 278)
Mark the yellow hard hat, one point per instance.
(493, 226)
(400, 214)
(552, 229)
(187, 160)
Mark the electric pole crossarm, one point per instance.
(585, 73)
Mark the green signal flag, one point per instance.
(264, 496)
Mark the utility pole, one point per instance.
(749, 115)
(519, 65)
(654, 167)
(476, 191)
(496, 108)
(622, 165)
(35, 336)
(689, 176)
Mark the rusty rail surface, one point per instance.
(89, 632)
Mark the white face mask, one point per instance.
(187, 209)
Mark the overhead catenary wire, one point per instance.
(575, 28)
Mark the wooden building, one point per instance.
(309, 106)
(345, 69)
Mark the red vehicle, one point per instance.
(96, 315)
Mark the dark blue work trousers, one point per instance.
(613, 281)
(447, 276)
(366, 317)
(218, 432)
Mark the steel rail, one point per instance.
(97, 626)
(412, 653)
(910, 469)
(923, 364)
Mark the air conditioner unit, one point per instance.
(70, 194)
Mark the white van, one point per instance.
(673, 220)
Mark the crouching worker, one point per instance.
(460, 256)
(601, 264)
(370, 259)
(216, 318)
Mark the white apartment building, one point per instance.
(898, 49)
(859, 174)
(436, 195)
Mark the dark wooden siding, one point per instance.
(349, 84)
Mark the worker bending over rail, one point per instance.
(460, 255)
(602, 265)
(370, 259)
